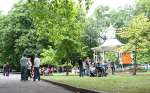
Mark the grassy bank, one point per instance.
(119, 83)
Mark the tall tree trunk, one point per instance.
(135, 69)
(67, 69)
(135, 64)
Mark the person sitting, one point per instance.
(100, 69)
(46, 72)
(92, 71)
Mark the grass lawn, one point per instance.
(119, 83)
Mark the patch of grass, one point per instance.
(119, 83)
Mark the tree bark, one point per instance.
(67, 69)
(135, 69)
(135, 64)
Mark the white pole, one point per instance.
(103, 56)
(94, 56)
(120, 59)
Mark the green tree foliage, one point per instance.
(111, 56)
(18, 36)
(103, 16)
(57, 19)
(138, 35)
(143, 57)
(121, 17)
(66, 51)
(143, 6)
(62, 22)
(118, 18)
(86, 4)
(47, 57)
(90, 36)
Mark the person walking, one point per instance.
(36, 68)
(6, 69)
(24, 65)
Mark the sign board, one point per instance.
(126, 58)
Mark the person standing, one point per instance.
(24, 64)
(84, 68)
(112, 65)
(87, 66)
(6, 69)
(80, 67)
(29, 68)
(36, 68)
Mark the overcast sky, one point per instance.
(6, 5)
(114, 4)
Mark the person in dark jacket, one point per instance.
(112, 65)
(6, 69)
(80, 67)
(24, 65)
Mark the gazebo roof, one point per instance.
(111, 41)
(96, 48)
(109, 32)
(110, 44)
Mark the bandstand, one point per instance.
(109, 44)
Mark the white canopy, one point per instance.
(96, 48)
(110, 44)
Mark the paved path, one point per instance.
(12, 84)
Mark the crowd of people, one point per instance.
(46, 70)
(32, 70)
(28, 70)
(88, 68)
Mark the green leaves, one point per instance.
(48, 56)
(137, 32)
(111, 56)
(56, 20)
(18, 36)
(138, 36)
(143, 6)
(66, 49)
(61, 22)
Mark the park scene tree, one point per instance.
(62, 32)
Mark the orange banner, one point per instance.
(126, 58)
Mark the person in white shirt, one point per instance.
(29, 68)
(36, 68)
